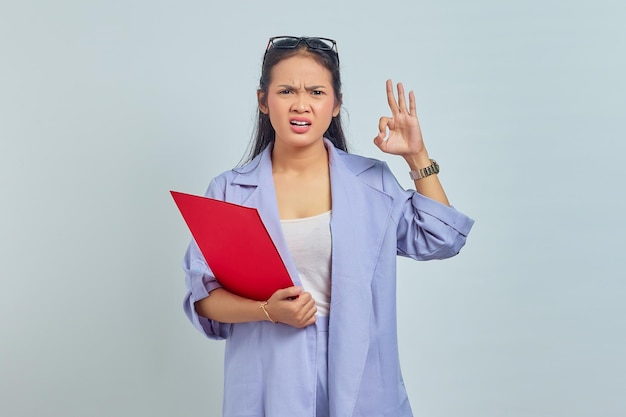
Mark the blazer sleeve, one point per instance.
(426, 229)
(200, 281)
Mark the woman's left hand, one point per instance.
(405, 135)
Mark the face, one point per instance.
(300, 101)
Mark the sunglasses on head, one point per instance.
(291, 42)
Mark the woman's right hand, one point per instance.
(292, 306)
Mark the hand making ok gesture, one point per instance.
(401, 135)
(405, 136)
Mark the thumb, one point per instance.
(289, 292)
(379, 140)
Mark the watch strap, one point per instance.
(433, 168)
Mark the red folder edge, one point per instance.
(235, 244)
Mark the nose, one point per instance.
(300, 104)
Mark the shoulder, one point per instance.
(221, 180)
(251, 173)
(219, 184)
(359, 161)
(372, 171)
(357, 164)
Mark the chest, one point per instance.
(302, 197)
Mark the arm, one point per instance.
(405, 139)
(428, 228)
(212, 309)
(226, 307)
(290, 306)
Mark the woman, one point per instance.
(326, 346)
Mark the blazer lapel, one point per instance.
(257, 190)
(360, 216)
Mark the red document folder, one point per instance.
(235, 245)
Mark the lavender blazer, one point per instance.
(270, 368)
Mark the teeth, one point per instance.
(299, 123)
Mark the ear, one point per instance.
(337, 108)
(261, 99)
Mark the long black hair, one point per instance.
(264, 133)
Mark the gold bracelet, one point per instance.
(262, 307)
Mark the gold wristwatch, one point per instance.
(433, 168)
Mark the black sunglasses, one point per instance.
(291, 42)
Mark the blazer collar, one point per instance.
(259, 170)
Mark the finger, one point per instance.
(383, 124)
(391, 99)
(304, 308)
(305, 298)
(311, 318)
(413, 109)
(401, 99)
(303, 315)
(307, 322)
(378, 140)
(310, 313)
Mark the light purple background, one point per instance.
(107, 105)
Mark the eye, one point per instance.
(317, 92)
(284, 91)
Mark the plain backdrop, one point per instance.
(107, 105)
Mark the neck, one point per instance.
(311, 158)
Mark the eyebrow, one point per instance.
(309, 88)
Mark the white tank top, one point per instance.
(309, 243)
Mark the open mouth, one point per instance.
(300, 123)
